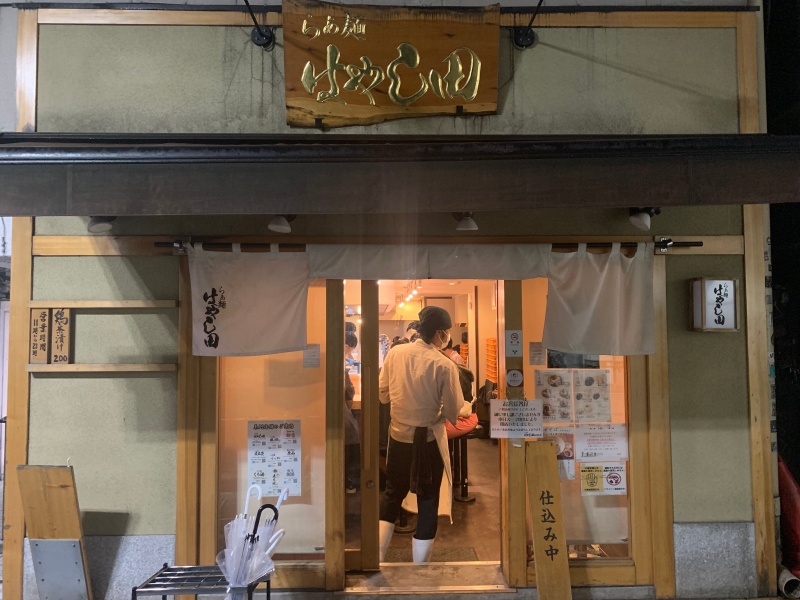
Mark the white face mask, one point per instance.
(445, 341)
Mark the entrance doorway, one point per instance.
(474, 536)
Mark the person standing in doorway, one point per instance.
(422, 386)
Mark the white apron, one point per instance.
(446, 490)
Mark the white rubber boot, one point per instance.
(421, 550)
(385, 531)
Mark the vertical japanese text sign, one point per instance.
(360, 65)
(40, 336)
(551, 557)
(61, 334)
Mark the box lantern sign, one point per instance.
(715, 304)
(361, 65)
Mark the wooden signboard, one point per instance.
(359, 65)
(61, 336)
(40, 336)
(551, 555)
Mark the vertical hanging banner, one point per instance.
(361, 65)
(246, 304)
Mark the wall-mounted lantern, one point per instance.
(714, 304)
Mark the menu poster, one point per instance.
(273, 456)
(513, 418)
(600, 443)
(603, 479)
(592, 396)
(564, 439)
(554, 389)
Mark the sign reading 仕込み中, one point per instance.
(360, 65)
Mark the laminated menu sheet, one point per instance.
(554, 389)
(273, 456)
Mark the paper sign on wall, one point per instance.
(311, 356)
(598, 443)
(564, 440)
(604, 479)
(512, 418)
(536, 354)
(273, 456)
(513, 343)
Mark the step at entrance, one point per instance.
(447, 578)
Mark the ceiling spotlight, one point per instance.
(465, 222)
(280, 223)
(100, 224)
(640, 217)
(401, 305)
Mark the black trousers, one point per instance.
(398, 480)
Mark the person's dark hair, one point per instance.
(415, 337)
(348, 326)
(350, 339)
(449, 344)
(465, 338)
(398, 340)
(431, 320)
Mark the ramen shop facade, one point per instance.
(160, 437)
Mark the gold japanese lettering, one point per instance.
(357, 74)
(451, 84)
(310, 79)
(308, 30)
(408, 56)
(330, 26)
(354, 28)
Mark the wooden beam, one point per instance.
(209, 459)
(18, 406)
(103, 304)
(62, 16)
(747, 72)
(661, 504)
(102, 368)
(187, 506)
(513, 525)
(27, 68)
(641, 533)
(370, 431)
(627, 19)
(104, 245)
(759, 400)
(334, 435)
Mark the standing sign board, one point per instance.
(361, 65)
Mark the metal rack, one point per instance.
(171, 581)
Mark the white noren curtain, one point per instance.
(600, 303)
(248, 304)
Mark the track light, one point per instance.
(280, 223)
(465, 222)
(640, 217)
(100, 224)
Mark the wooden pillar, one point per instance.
(513, 549)
(334, 435)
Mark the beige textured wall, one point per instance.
(708, 403)
(117, 431)
(212, 79)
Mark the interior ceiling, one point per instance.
(390, 290)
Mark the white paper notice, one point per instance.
(592, 396)
(536, 354)
(311, 356)
(273, 456)
(564, 439)
(599, 443)
(554, 389)
(603, 479)
(514, 343)
(516, 418)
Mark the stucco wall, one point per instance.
(212, 79)
(708, 403)
(169, 79)
(118, 431)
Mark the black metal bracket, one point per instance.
(525, 37)
(263, 37)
